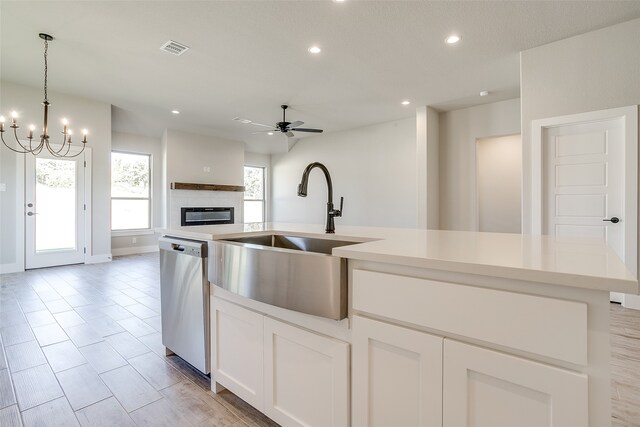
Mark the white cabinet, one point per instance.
(485, 388)
(294, 376)
(397, 376)
(306, 377)
(237, 351)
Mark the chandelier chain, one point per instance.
(46, 69)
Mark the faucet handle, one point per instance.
(341, 204)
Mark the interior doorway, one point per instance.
(498, 186)
(585, 181)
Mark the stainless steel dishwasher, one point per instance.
(184, 294)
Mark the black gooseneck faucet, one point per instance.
(302, 192)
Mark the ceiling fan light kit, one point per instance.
(284, 126)
(64, 150)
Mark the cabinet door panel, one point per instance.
(306, 377)
(237, 351)
(485, 388)
(397, 376)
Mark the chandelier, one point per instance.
(36, 147)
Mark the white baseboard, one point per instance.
(11, 268)
(134, 250)
(631, 301)
(96, 259)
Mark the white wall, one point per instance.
(82, 113)
(373, 167)
(427, 167)
(589, 72)
(145, 145)
(459, 131)
(593, 71)
(499, 169)
(204, 160)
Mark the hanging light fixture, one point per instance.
(37, 147)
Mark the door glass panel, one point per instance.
(55, 207)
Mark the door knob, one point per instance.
(32, 213)
(614, 219)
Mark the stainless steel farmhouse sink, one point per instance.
(292, 272)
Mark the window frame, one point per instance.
(133, 231)
(264, 193)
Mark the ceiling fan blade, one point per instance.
(260, 124)
(295, 124)
(307, 130)
(289, 134)
(265, 131)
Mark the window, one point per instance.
(253, 194)
(130, 191)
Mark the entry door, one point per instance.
(584, 182)
(54, 210)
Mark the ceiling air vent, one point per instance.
(174, 48)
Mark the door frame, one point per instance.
(629, 115)
(87, 211)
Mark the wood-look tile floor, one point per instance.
(81, 345)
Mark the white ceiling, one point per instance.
(248, 57)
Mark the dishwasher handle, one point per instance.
(181, 246)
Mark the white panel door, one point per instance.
(306, 377)
(397, 376)
(237, 351)
(55, 210)
(485, 388)
(584, 182)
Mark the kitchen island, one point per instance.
(444, 328)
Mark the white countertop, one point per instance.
(575, 262)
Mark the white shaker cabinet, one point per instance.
(294, 376)
(485, 388)
(237, 351)
(397, 376)
(306, 377)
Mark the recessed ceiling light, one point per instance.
(406, 102)
(452, 39)
(484, 93)
(175, 111)
(315, 49)
(338, 1)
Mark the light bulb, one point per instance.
(315, 49)
(65, 122)
(453, 39)
(85, 132)
(69, 132)
(32, 127)
(14, 115)
(2, 119)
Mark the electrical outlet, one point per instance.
(134, 240)
(206, 169)
(3, 186)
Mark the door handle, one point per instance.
(614, 219)
(32, 213)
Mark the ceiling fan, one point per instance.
(284, 126)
